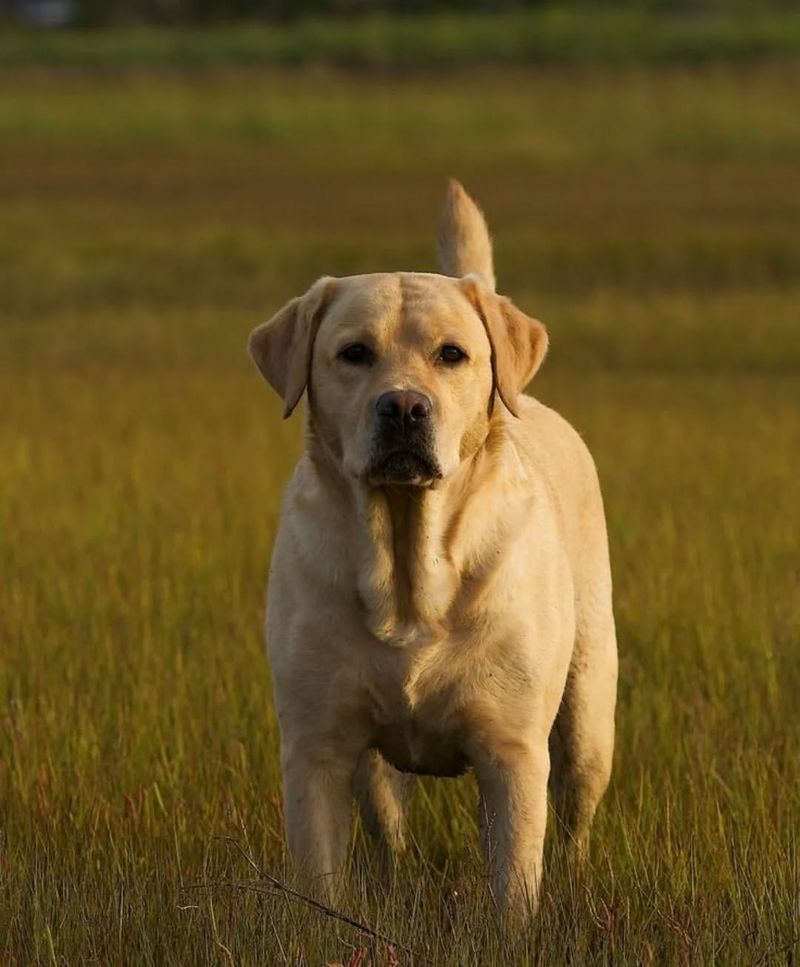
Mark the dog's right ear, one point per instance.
(282, 347)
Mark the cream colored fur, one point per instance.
(459, 622)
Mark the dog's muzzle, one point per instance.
(403, 451)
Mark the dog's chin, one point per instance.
(404, 468)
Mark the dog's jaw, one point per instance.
(405, 468)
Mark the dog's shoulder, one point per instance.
(544, 437)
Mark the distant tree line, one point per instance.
(104, 12)
(121, 12)
(209, 11)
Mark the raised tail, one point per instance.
(464, 244)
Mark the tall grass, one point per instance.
(146, 225)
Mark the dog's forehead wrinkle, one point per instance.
(434, 309)
(429, 290)
(400, 308)
(366, 306)
(371, 295)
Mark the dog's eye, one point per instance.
(451, 354)
(356, 353)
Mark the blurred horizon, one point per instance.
(393, 35)
(127, 12)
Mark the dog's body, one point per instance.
(440, 591)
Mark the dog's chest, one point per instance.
(418, 723)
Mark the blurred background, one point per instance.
(170, 174)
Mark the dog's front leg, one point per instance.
(317, 800)
(513, 791)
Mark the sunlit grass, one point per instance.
(142, 463)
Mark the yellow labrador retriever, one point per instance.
(440, 590)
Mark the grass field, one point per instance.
(148, 220)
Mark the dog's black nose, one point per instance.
(403, 409)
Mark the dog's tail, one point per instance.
(464, 244)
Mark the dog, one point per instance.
(440, 589)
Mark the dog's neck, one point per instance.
(408, 543)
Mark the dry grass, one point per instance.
(146, 223)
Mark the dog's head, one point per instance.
(402, 370)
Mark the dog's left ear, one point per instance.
(518, 342)
(282, 347)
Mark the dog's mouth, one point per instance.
(407, 467)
